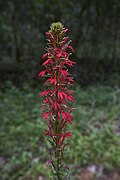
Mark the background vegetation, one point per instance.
(94, 27)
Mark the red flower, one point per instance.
(47, 132)
(42, 73)
(44, 55)
(67, 116)
(68, 134)
(44, 93)
(64, 73)
(70, 47)
(52, 81)
(62, 95)
(55, 105)
(47, 62)
(63, 136)
(46, 115)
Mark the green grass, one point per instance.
(95, 131)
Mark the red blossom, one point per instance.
(67, 116)
(58, 55)
(52, 80)
(47, 62)
(69, 62)
(70, 47)
(63, 136)
(44, 93)
(44, 55)
(46, 115)
(64, 73)
(42, 73)
(55, 105)
(62, 95)
(47, 133)
(47, 101)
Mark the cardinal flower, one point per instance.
(58, 95)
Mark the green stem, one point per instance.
(58, 165)
(58, 156)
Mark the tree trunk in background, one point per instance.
(82, 15)
(114, 35)
(16, 48)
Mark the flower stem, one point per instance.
(58, 156)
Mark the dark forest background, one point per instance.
(94, 27)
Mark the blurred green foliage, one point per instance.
(93, 27)
(95, 129)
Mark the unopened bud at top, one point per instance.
(56, 27)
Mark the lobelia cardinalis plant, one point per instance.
(57, 106)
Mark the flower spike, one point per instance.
(57, 111)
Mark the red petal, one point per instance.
(55, 105)
(60, 139)
(46, 62)
(68, 134)
(42, 73)
(44, 55)
(70, 98)
(46, 101)
(64, 73)
(52, 80)
(47, 132)
(70, 63)
(44, 93)
(70, 47)
(62, 136)
(59, 54)
(46, 115)
(67, 117)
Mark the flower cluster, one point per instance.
(57, 111)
